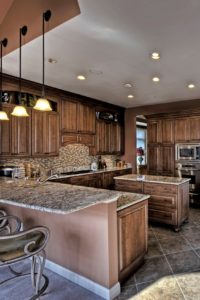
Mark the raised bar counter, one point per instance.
(97, 237)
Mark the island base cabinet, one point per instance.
(132, 238)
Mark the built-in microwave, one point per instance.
(187, 152)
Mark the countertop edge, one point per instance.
(145, 197)
(151, 181)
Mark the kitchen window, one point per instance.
(141, 141)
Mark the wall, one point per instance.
(74, 155)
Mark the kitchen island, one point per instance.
(169, 201)
(87, 228)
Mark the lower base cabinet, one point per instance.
(132, 237)
(102, 180)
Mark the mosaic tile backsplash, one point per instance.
(71, 156)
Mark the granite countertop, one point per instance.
(63, 175)
(60, 198)
(153, 179)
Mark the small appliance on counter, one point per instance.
(94, 166)
(6, 171)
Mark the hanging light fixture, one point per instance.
(20, 110)
(42, 103)
(3, 114)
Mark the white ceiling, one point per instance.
(114, 39)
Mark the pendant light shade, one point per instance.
(42, 103)
(20, 110)
(3, 114)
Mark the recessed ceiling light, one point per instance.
(128, 85)
(81, 77)
(52, 61)
(191, 86)
(156, 79)
(155, 55)
(130, 96)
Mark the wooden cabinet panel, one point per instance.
(154, 131)
(167, 131)
(128, 186)
(116, 136)
(167, 159)
(167, 217)
(153, 159)
(132, 238)
(21, 135)
(5, 134)
(51, 134)
(45, 133)
(194, 128)
(69, 116)
(87, 139)
(86, 118)
(69, 138)
(181, 130)
(159, 188)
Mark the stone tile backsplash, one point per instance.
(70, 156)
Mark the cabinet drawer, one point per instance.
(159, 189)
(69, 139)
(128, 186)
(165, 201)
(163, 216)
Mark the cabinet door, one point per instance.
(21, 135)
(194, 128)
(69, 116)
(86, 118)
(116, 138)
(100, 137)
(5, 134)
(38, 128)
(51, 133)
(132, 237)
(154, 131)
(167, 131)
(153, 159)
(167, 157)
(181, 130)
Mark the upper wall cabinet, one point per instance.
(154, 131)
(77, 117)
(36, 135)
(15, 134)
(167, 131)
(45, 133)
(194, 128)
(181, 130)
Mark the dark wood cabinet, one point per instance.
(69, 116)
(132, 238)
(5, 134)
(181, 130)
(109, 138)
(21, 135)
(45, 133)
(86, 118)
(153, 159)
(194, 128)
(167, 160)
(167, 131)
(154, 131)
(77, 117)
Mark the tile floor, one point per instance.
(171, 271)
(172, 265)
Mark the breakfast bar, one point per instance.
(86, 226)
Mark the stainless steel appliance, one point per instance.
(190, 170)
(6, 171)
(187, 152)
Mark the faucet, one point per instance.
(50, 177)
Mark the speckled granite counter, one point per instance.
(59, 198)
(153, 179)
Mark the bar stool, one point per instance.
(6, 223)
(30, 243)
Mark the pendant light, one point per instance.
(42, 103)
(20, 110)
(3, 114)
